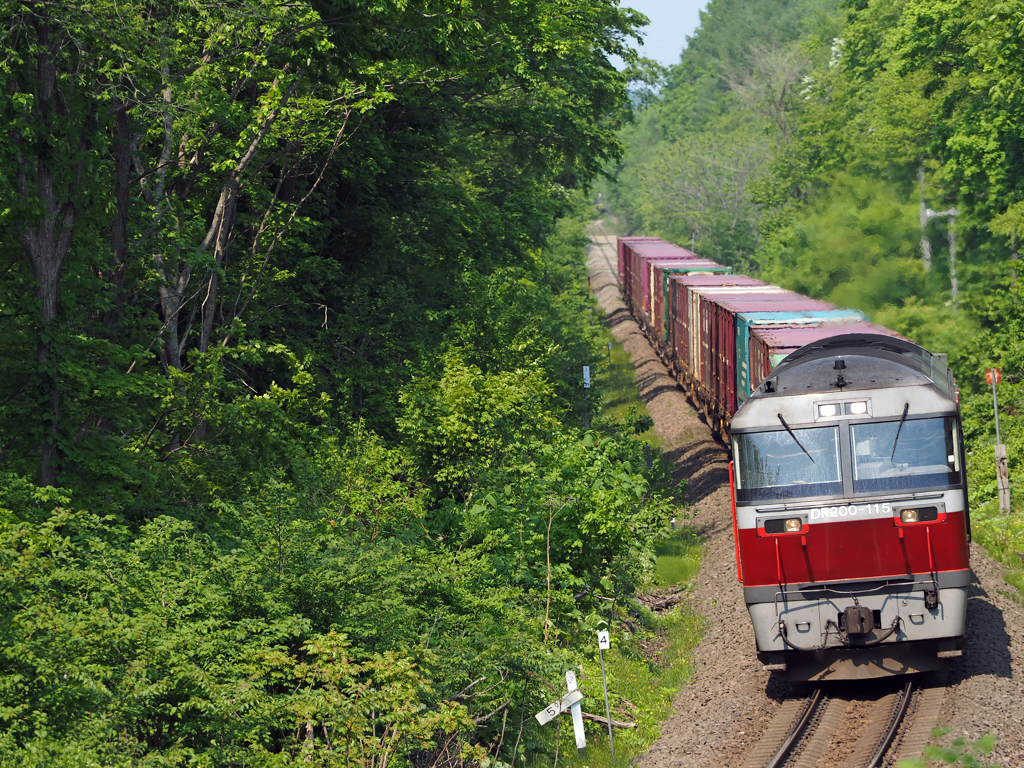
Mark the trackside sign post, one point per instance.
(555, 708)
(604, 641)
(576, 711)
(568, 703)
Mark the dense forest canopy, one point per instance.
(867, 152)
(294, 317)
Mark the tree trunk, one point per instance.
(119, 226)
(47, 244)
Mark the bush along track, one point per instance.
(349, 597)
(653, 635)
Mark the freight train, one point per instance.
(849, 497)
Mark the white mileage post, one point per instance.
(577, 712)
(604, 642)
(555, 708)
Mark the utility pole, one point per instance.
(951, 214)
(994, 376)
(926, 246)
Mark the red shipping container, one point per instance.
(683, 334)
(639, 252)
(644, 257)
(723, 309)
(621, 244)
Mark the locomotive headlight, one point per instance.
(794, 525)
(858, 409)
(827, 411)
(920, 515)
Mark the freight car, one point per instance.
(849, 499)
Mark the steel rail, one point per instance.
(797, 731)
(899, 712)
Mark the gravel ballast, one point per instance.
(720, 715)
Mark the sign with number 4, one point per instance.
(604, 641)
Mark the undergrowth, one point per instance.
(958, 751)
(646, 669)
(1003, 537)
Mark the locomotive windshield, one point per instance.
(891, 457)
(780, 465)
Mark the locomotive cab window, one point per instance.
(784, 465)
(920, 454)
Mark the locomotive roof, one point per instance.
(872, 361)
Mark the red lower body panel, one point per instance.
(860, 549)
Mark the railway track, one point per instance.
(613, 269)
(830, 727)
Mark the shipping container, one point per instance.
(661, 272)
(646, 255)
(703, 334)
(796, 315)
(638, 258)
(721, 309)
(684, 337)
(621, 244)
(769, 344)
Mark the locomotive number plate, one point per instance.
(878, 509)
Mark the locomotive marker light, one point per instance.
(994, 376)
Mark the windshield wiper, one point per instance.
(791, 434)
(906, 407)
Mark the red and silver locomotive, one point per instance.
(850, 510)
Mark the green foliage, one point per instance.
(958, 752)
(694, 157)
(294, 314)
(646, 667)
(118, 646)
(855, 246)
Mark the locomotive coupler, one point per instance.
(858, 620)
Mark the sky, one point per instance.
(671, 22)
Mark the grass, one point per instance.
(646, 669)
(678, 557)
(621, 400)
(1003, 537)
